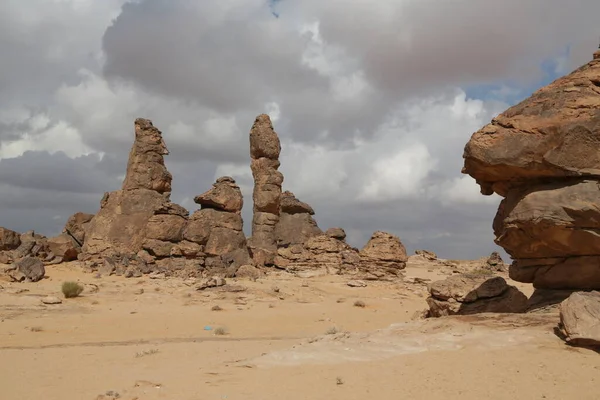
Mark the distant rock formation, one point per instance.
(473, 294)
(296, 224)
(264, 152)
(542, 156)
(132, 218)
(383, 255)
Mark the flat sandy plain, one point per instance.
(286, 337)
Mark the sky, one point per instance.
(373, 102)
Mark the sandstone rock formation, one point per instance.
(472, 294)
(28, 268)
(77, 225)
(296, 224)
(264, 152)
(9, 240)
(580, 319)
(217, 227)
(383, 254)
(141, 210)
(542, 157)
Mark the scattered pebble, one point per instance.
(51, 300)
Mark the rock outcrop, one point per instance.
(472, 294)
(9, 240)
(29, 268)
(542, 157)
(264, 152)
(141, 210)
(384, 254)
(217, 227)
(77, 225)
(580, 319)
(296, 224)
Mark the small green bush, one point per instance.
(220, 331)
(71, 289)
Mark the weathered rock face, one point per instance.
(383, 253)
(296, 224)
(77, 225)
(472, 294)
(580, 319)
(321, 252)
(142, 210)
(9, 240)
(542, 156)
(29, 268)
(336, 233)
(64, 247)
(264, 153)
(217, 227)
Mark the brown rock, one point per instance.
(264, 152)
(146, 167)
(249, 272)
(77, 225)
(29, 268)
(336, 233)
(384, 252)
(168, 228)
(542, 156)
(429, 255)
(64, 247)
(580, 319)
(296, 224)
(9, 240)
(225, 195)
(471, 294)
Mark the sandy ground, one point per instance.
(286, 338)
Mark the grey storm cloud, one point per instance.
(366, 97)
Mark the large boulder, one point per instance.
(472, 294)
(9, 240)
(384, 253)
(77, 225)
(28, 268)
(296, 224)
(64, 247)
(225, 195)
(580, 319)
(542, 156)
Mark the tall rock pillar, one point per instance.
(264, 153)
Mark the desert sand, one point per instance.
(285, 337)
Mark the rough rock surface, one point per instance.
(64, 247)
(9, 240)
(142, 206)
(217, 227)
(472, 294)
(580, 318)
(296, 224)
(495, 263)
(542, 156)
(77, 225)
(264, 152)
(320, 252)
(29, 268)
(336, 233)
(383, 253)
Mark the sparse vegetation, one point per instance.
(332, 331)
(359, 303)
(71, 289)
(146, 353)
(216, 308)
(220, 331)
(36, 329)
(481, 271)
(339, 380)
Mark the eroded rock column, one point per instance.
(264, 152)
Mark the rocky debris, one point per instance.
(495, 263)
(383, 253)
(77, 225)
(29, 268)
(296, 224)
(213, 282)
(217, 227)
(9, 240)
(33, 245)
(264, 152)
(580, 319)
(472, 294)
(336, 233)
(426, 254)
(320, 252)
(542, 156)
(249, 272)
(51, 300)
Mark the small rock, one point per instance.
(139, 291)
(51, 300)
(357, 284)
(211, 283)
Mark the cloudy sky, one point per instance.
(373, 101)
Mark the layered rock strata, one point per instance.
(542, 156)
(383, 255)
